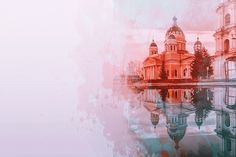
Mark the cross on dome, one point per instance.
(175, 20)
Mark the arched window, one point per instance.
(185, 72)
(226, 45)
(171, 36)
(227, 19)
(176, 73)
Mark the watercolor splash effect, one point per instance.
(58, 60)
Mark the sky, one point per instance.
(119, 31)
(56, 53)
(157, 14)
(100, 30)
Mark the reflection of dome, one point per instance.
(198, 121)
(176, 127)
(176, 135)
(154, 119)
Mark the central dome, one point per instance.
(175, 31)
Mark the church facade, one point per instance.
(176, 58)
(225, 37)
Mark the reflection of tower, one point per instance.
(230, 97)
(198, 120)
(200, 116)
(226, 130)
(154, 119)
(176, 127)
(201, 100)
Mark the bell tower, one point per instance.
(225, 35)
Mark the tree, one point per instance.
(201, 65)
(163, 93)
(207, 64)
(196, 65)
(202, 102)
(163, 74)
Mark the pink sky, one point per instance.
(119, 31)
(76, 35)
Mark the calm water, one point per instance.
(179, 122)
(120, 122)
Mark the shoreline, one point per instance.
(185, 84)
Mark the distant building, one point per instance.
(225, 37)
(176, 58)
(134, 72)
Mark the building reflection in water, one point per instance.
(178, 104)
(226, 123)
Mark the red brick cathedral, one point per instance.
(176, 58)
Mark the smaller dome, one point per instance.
(153, 49)
(198, 121)
(154, 119)
(153, 44)
(197, 45)
(176, 129)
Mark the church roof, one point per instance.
(155, 58)
(175, 31)
(198, 43)
(153, 44)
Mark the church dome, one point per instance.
(153, 49)
(153, 44)
(175, 32)
(197, 45)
